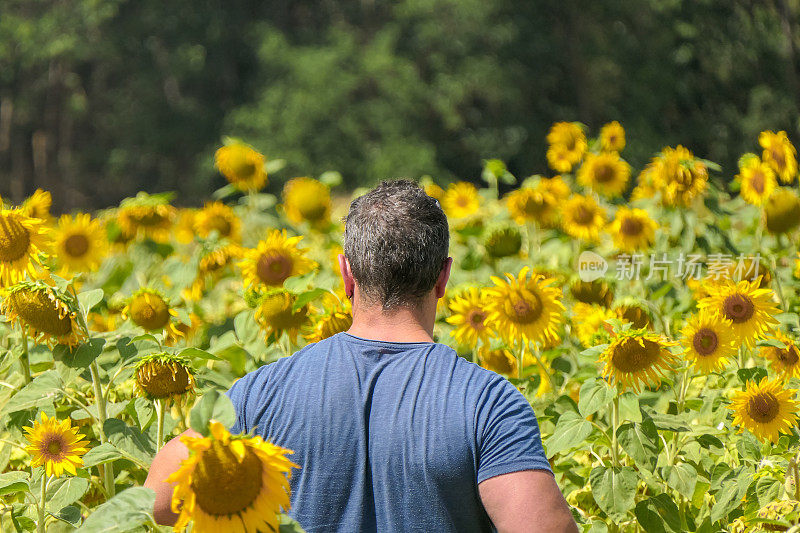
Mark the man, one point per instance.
(392, 431)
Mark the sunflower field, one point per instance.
(650, 318)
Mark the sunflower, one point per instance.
(184, 227)
(592, 292)
(164, 376)
(273, 260)
(55, 445)
(583, 218)
(606, 172)
(216, 216)
(231, 483)
(498, 360)
(275, 314)
(633, 230)
(80, 243)
(503, 241)
(645, 184)
(468, 312)
(524, 309)
(567, 146)
(242, 166)
(612, 137)
(709, 341)
(307, 200)
(782, 211)
(211, 267)
(146, 215)
(461, 200)
(750, 309)
(783, 361)
(46, 314)
(38, 205)
(679, 175)
(539, 203)
(779, 153)
(756, 180)
(434, 191)
(588, 323)
(633, 313)
(336, 319)
(22, 241)
(150, 310)
(780, 510)
(636, 358)
(765, 409)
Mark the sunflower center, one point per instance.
(475, 318)
(41, 313)
(148, 218)
(757, 181)
(631, 226)
(221, 224)
(223, 484)
(76, 245)
(705, 341)
(738, 308)
(763, 407)
(630, 356)
(583, 215)
(788, 356)
(149, 311)
(274, 268)
(54, 447)
(603, 173)
(525, 310)
(778, 157)
(276, 312)
(162, 380)
(14, 239)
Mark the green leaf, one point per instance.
(70, 514)
(614, 489)
(771, 342)
(12, 482)
(90, 299)
(145, 412)
(640, 441)
(212, 406)
(306, 297)
(658, 514)
(570, 432)
(331, 178)
(127, 510)
(681, 477)
(751, 374)
(41, 391)
(224, 191)
(105, 453)
(629, 407)
(287, 525)
(595, 394)
(84, 354)
(146, 337)
(245, 326)
(749, 447)
(197, 353)
(274, 165)
(129, 439)
(65, 491)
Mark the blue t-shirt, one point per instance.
(390, 436)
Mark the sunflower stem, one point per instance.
(778, 287)
(160, 427)
(42, 499)
(544, 368)
(108, 469)
(26, 366)
(614, 426)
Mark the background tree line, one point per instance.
(101, 98)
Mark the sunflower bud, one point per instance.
(782, 211)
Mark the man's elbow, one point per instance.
(162, 509)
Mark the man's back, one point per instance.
(389, 436)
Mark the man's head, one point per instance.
(396, 241)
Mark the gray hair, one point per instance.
(396, 240)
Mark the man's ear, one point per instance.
(444, 275)
(347, 276)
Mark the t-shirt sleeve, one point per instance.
(508, 435)
(244, 396)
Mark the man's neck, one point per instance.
(398, 325)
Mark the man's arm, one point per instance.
(166, 461)
(528, 501)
